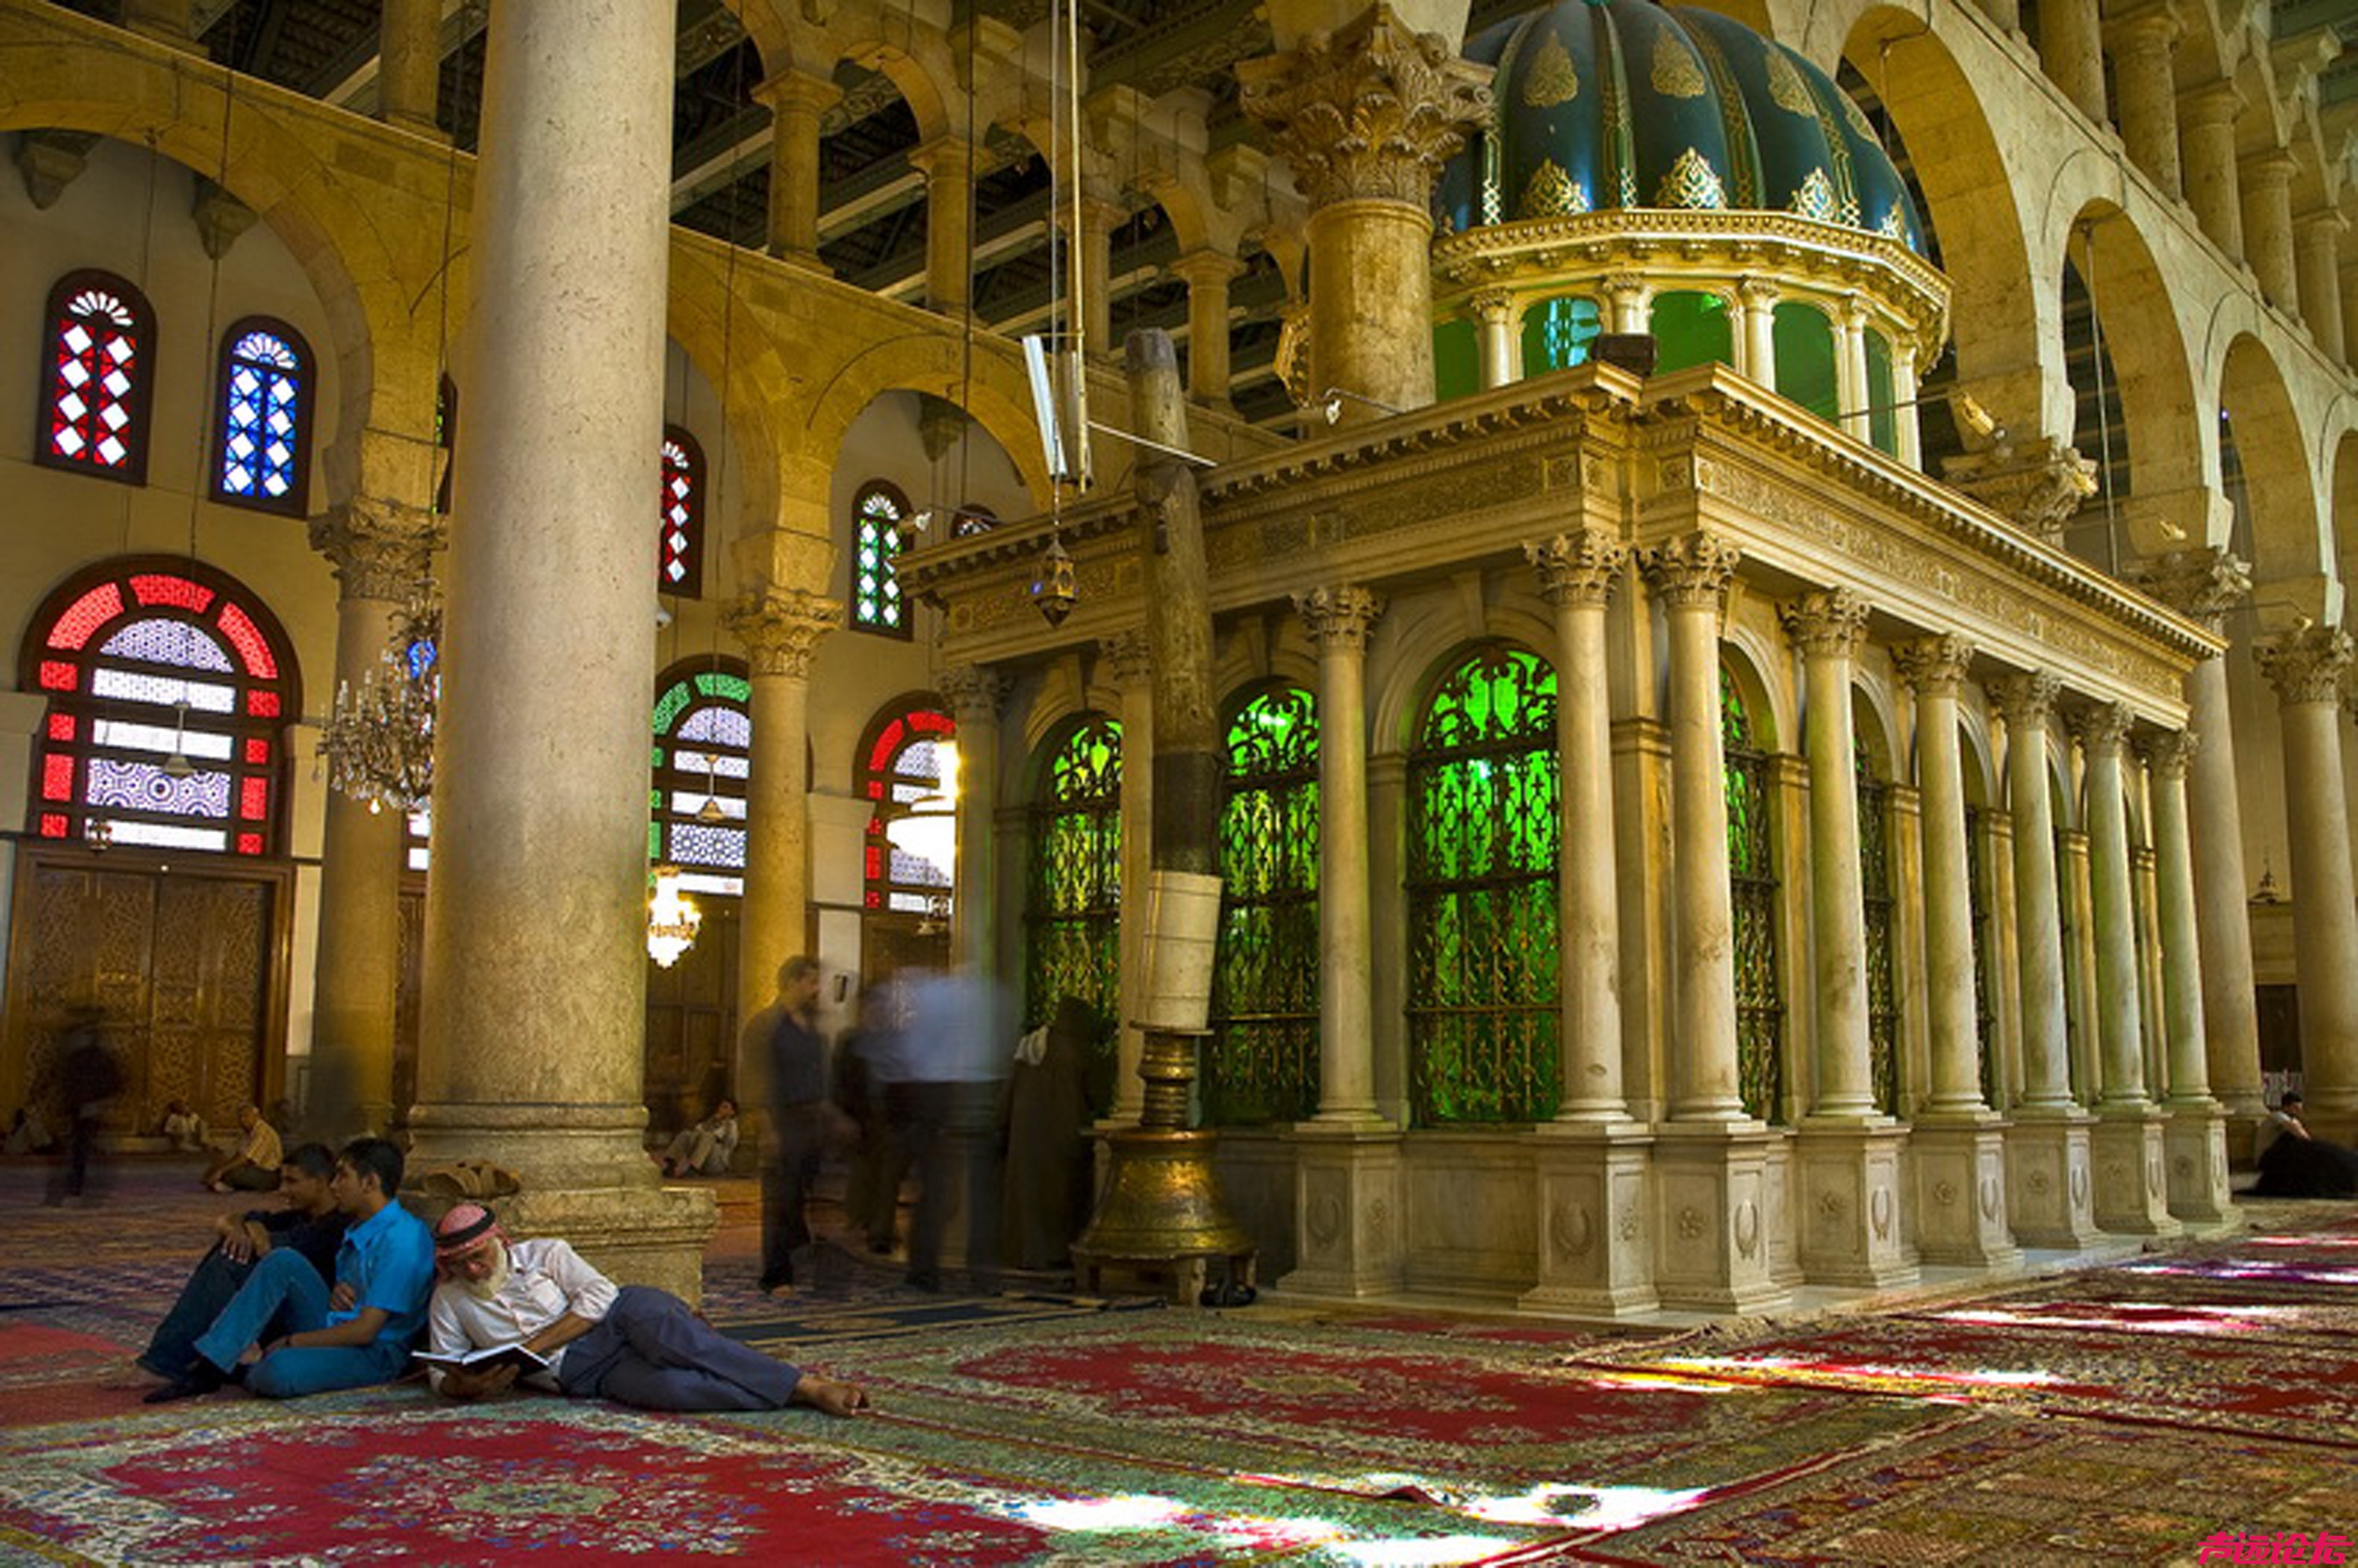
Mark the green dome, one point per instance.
(1625, 103)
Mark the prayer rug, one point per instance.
(824, 1322)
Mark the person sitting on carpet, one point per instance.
(706, 1148)
(28, 1133)
(183, 1128)
(308, 1224)
(254, 1167)
(2299, 1164)
(636, 1345)
(360, 1333)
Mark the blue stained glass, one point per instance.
(260, 435)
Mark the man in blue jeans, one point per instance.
(358, 1334)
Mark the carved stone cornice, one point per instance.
(1579, 568)
(1339, 618)
(380, 549)
(1934, 666)
(2038, 484)
(780, 628)
(2166, 752)
(1129, 655)
(1830, 624)
(2202, 585)
(975, 693)
(1371, 113)
(2306, 665)
(2025, 702)
(2100, 726)
(1691, 570)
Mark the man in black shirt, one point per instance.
(784, 1037)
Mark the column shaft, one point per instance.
(409, 65)
(1133, 670)
(798, 104)
(2071, 48)
(1756, 303)
(1827, 629)
(2148, 96)
(947, 164)
(2307, 670)
(1905, 389)
(1207, 275)
(2267, 229)
(2028, 702)
(975, 695)
(2212, 183)
(1494, 314)
(1934, 668)
(2119, 1021)
(1850, 370)
(1339, 620)
(2181, 970)
(2320, 283)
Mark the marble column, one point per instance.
(1907, 389)
(976, 695)
(1501, 345)
(1628, 301)
(1370, 226)
(1850, 368)
(2207, 134)
(2306, 669)
(798, 104)
(1129, 659)
(1340, 620)
(533, 1030)
(1207, 275)
(1755, 334)
(2320, 242)
(2071, 48)
(2147, 93)
(947, 164)
(1711, 1158)
(409, 65)
(2266, 186)
(2195, 1142)
(2046, 1148)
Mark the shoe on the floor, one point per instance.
(203, 1379)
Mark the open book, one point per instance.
(525, 1360)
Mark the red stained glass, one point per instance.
(932, 723)
(876, 789)
(257, 752)
(62, 726)
(59, 676)
(94, 399)
(86, 615)
(879, 756)
(252, 647)
(254, 799)
(57, 776)
(875, 901)
(875, 859)
(249, 843)
(52, 825)
(158, 588)
(262, 704)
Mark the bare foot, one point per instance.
(831, 1396)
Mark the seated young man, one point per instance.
(183, 1128)
(254, 1168)
(706, 1148)
(308, 1224)
(636, 1345)
(361, 1332)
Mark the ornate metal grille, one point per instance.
(1263, 1062)
(1483, 952)
(1073, 911)
(1874, 888)
(1977, 870)
(2082, 1089)
(1752, 894)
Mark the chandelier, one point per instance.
(671, 919)
(379, 743)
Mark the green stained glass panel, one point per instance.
(1752, 892)
(1073, 901)
(1262, 1061)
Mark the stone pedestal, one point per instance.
(1348, 1217)
(1711, 1216)
(2194, 1146)
(1595, 1255)
(1849, 1190)
(2132, 1190)
(2049, 1183)
(1960, 1168)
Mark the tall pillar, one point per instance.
(947, 164)
(2147, 93)
(2320, 242)
(2268, 228)
(1132, 662)
(1370, 226)
(409, 65)
(2047, 1147)
(534, 1016)
(1340, 618)
(2306, 669)
(1756, 337)
(1850, 368)
(1493, 315)
(2071, 48)
(1207, 275)
(1905, 389)
(2207, 121)
(975, 695)
(1711, 1193)
(2195, 1141)
(798, 104)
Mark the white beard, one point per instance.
(495, 1280)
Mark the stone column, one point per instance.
(975, 695)
(1494, 314)
(2047, 1147)
(2268, 228)
(1756, 335)
(2320, 282)
(2147, 93)
(1207, 275)
(947, 164)
(2207, 119)
(1366, 117)
(1340, 618)
(1629, 300)
(2306, 669)
(2195, 1141)
(1131, 660)
(409, 65)
(2071, 48)
(1905, 389)
(535, 1018)
(1850, 368)
(798, 104)
(1711, 1247)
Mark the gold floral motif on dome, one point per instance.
(1552, 194)
(1691, 182)
(1815, 198)
(1786, 87)
(1552, 79)
(1675, 75)
(1894, 225)
(1857, 117)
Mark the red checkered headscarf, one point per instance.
(463, 1232)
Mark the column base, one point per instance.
(1348, 1217)
(1595, 1255)
(2131, 1188)
(634, 1235)
(2049, 1184)
(2195, 1144)
(1711, 1241)
(1849, 1190)
(1960, 1207)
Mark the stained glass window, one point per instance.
(263, 439)
(877, 518)
(679, 524)
(901, 759)
(1072, 918)
(98, 376)
(1483, 958)
(701, 761)
(1881, 909)
(1752, 894)
(1262, 1062)
(167, 689)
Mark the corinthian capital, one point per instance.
(2166, 752)
(1830, 624)
(381, 549)
(2102, 726)
(2201, 585)
(1934, 664)
(975, 693)
(1691, 570)
(2305, 665)
(1579, 568)
(2025, 702)
(1373, 112)
(1339, 618)
(780, 628)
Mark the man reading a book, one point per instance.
(586, 1337)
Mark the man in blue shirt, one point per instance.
(358, 1334)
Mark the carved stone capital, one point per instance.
(1370, 113)
(2025, 702)
(2306, 665)
(1578, 567)
(780, 628)
(1207, 269)
(2201, 585)
(2166, 752)
(381, 549)
(1934, 666)
(2100, 726)
(2037, 484)
(974, 693)
(1760, 293)
(1830, 624)
(1129, 655)
(1626, 287)
(1492, 307)
(1691, 570)
(1339, 618)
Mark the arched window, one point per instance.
(98, 377)
(263, 438)
(876, 516)
(1072, 916)
(1262, 1065)
(1689, 327)
(1482, 951)
(1804, 340)
(1874, 879)
(1752, 890)
(904, 759)
(169, 687)
(703, 755)
(679, 548)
